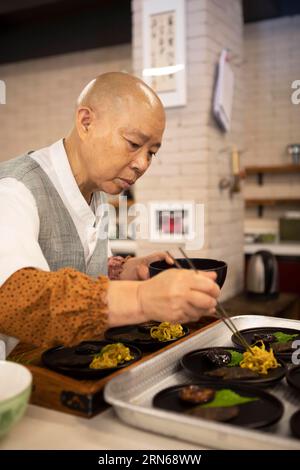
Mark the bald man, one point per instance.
(54, 266)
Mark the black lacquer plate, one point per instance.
(295, 424)
(293, 378)
(196, 363)
(249, 332)
(264, 411)
(139, 335)
(75, 361)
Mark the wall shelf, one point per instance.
(276, 169)
(260, 171)
(271, 202)
(261, 203)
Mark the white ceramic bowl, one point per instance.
(15, 388)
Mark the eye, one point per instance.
(151, 154)
(133, 145)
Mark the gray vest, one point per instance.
(58, 237)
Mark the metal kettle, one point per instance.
(262, 276)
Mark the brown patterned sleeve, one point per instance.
(49, 308)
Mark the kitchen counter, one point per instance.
(279, 249)
(41, 428)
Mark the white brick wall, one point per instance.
(271, 120)
(191, 163)
(41, 95)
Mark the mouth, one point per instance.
(126, 183)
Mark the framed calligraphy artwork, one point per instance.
(164, 50)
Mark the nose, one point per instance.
(141, 162)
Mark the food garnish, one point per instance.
(259, 359)
(111, 355)
(166, 331)
(227, 397)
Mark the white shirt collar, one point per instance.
(68, 183)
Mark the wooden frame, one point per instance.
(164, 65)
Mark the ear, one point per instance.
(84, 119)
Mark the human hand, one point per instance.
(178, 295)
(137, 269)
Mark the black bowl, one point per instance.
(202, 264)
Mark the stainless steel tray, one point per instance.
(131, 396)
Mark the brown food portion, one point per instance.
(282, 347)
(218, 357)
(195, 394)
(219, 413)
(233, 373)
(267, 338)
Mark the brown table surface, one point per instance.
(286, 306)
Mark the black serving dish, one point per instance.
(266, 410)
(293, 377)
(295, 424)
(196, 363)
(249, 332)
(202, 264)
(139, 335)
(75, 361)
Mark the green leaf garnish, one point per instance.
(236, 358)
(283, 337)
(227, 397)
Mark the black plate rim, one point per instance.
(257, 382)
(245, 388)
(290, 378)
(295, 423)
(280, 355)
(109, 333)
(89, 373)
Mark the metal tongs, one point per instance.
(221, 313)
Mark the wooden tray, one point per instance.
(60, 392)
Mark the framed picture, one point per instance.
(171, 221)
(164, 49)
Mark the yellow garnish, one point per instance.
(111, 356)
(166, 331)
(259, 359)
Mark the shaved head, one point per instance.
(118, 129)
(117, 88)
